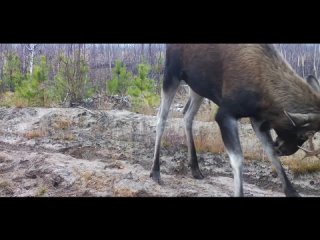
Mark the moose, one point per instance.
(244, 80)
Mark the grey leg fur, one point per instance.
(266, 139)
(229, 132)
(166, 101)
(192, 108)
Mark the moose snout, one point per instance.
(283, 148)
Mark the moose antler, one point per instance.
(309, 153)
(288, 116)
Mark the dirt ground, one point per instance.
(77, 152)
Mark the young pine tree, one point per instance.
(143, 89)
(12, 76)
(121, 80)
(35, 88)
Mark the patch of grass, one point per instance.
(35, 133)
(302, 166)
(20, 103)
(82, 122)
(6, 188)
(145, 109)
(62, 124)
(64, 136)
(4, 184)
(254, 155)
(41, 191)
(204, 142)
(87, 176)
(173, 140)
(11, 99)
(69, 136)
(89, 179)
(8, 99)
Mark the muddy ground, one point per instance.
(77, 152)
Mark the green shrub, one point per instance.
(35, 88)
(12, 75)
(142, 89)
(72, 80)
(121, 80)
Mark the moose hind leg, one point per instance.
(191, 110)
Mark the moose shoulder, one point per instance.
(244, 80)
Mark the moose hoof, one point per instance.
(292, 193)
(196, 173)
(155, 175)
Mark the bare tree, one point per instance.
(32, 50)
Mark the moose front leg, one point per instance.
(229, 131)
(266, 139)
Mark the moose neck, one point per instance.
(290, 93)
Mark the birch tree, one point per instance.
(32, 49)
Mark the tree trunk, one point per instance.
(32, 49)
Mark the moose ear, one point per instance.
(301, 119)
(313, 82)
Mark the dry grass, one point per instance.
(254, 155)
(4, 184)
(146, 110)
(7, 99)
(41, 191)
(87, 176)
(64, 136)
(69, 136)
(20, 103)
(62, 124)
(6, 188)
(207, 141)
(127, 192)
(300, 166)
(173, 140)
(89, 179)
(204, 142)
(124, 192)
(35, 133)
(207, 112)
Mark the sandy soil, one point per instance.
(76, 152)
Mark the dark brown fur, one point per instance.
(232, 68)
(244, 80)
